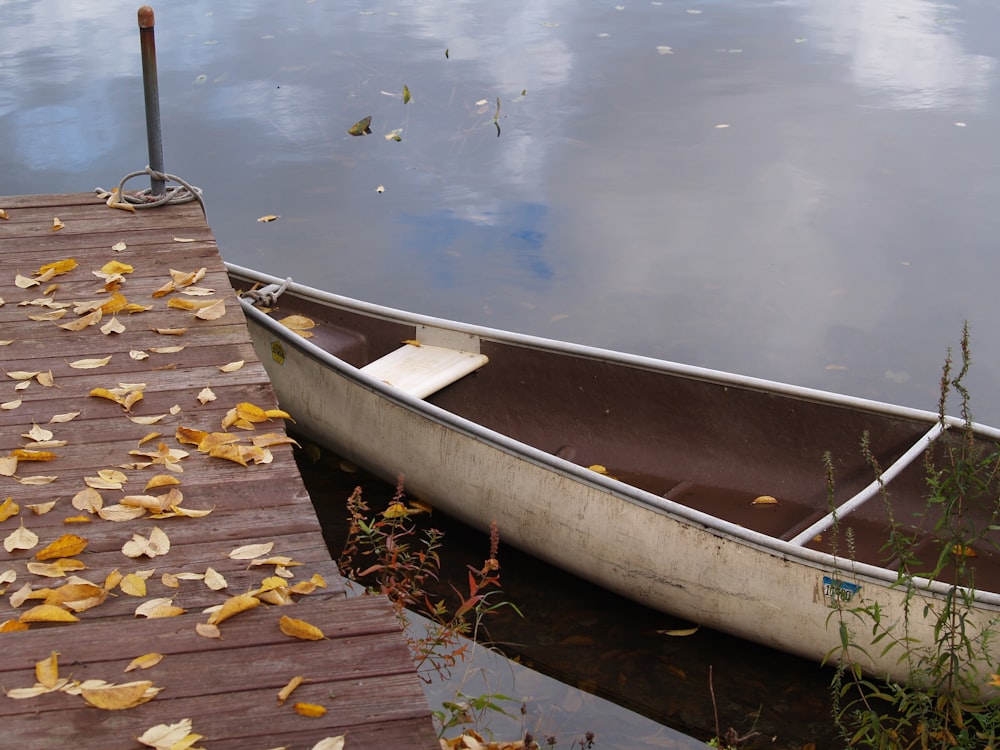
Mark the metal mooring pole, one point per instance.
(151, 89)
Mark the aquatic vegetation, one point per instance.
(945, 703)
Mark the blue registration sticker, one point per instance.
(839, 590)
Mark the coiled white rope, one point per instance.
(183, 193)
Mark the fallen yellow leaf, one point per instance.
(37, 481)
(88, 499)
(47, 670)
(300, 629)
(111, 697)
(157, 608)
(67, 417)
(309, 709)
(144, 662)
(91, 318)
(8, 508)
(47, 613)
(233, 606)
(161, 480)
(23, 454)
(287, 689)
(213, 311)
(250, 551)
(157, 544)
(20, 538)
(68, 545)
(170, 736)
(116, 266)
(133, 585)
(112, 326)
(215, 580)
(205, 630)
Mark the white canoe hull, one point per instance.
(642, 546)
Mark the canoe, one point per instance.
(695, 492)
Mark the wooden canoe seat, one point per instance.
(424, 369)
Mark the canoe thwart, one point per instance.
(421, 370)
(873, 489)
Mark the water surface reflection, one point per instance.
(791, 189)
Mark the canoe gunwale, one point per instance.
(780, 548)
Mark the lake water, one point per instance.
(798, 190)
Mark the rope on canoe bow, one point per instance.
(182, 193)
(268, 295)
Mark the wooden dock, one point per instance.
(77, 549)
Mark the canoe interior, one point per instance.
(709, 446)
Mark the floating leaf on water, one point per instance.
(267, 218)
(445, 57)
(380, 189)
(406, 94)
(679, 632)
(361, 127)
(663, 49)
(394, 135)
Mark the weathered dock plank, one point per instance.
(100, 455)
